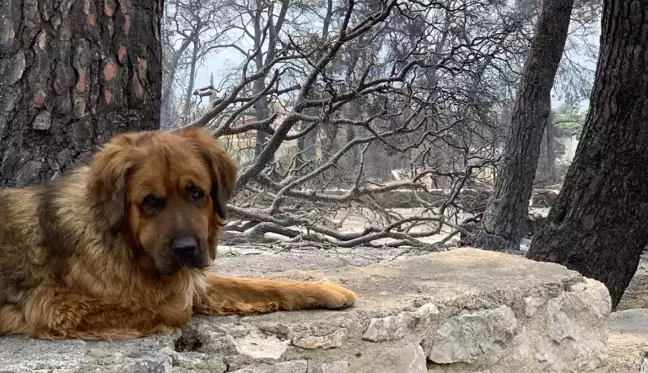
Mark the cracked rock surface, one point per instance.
(463, 310)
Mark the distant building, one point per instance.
(568, 145)
(241, 146)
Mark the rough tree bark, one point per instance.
(504, 218)
(598, 225)
(71, 76)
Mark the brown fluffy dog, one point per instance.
(117, 250)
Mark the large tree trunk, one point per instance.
(504, 219)
(72, 77)
(598, 224)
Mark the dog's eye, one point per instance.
(196, 195)
(153, 202)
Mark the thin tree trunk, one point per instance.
(504, 218)
(307, 144)
(328, 138)
(173, 67)
(261, 113)
(550, 143)
(192, 82)
(261, 108)
(72, 76)
(167, 106)
(300, 160)
(598, 224)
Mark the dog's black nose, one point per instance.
(184, 245)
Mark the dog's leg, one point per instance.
(227, 295)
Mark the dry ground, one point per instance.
(636, 296)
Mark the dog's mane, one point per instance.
(66, 218)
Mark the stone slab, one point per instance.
(455, 311)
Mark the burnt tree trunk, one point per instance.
(71, 77)
(504, 218)
(598, 224)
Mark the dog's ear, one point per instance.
(109, 173)
(222, 168)
(223, 180)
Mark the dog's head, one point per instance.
(166, 193)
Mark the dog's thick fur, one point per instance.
(95, 255)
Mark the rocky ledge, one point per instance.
(463, 310)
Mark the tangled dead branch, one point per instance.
(380, 128)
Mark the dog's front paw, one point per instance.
(331, 296)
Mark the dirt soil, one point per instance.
(636, 295)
